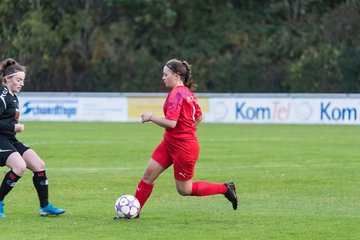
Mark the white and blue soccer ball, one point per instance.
(127, 206)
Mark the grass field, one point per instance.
(294, 182)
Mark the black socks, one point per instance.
(41, 184)
(8, 183)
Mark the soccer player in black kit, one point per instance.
(14, 154)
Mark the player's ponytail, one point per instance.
(188, 81)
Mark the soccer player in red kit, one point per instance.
(180, 146)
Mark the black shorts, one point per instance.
(8, 146)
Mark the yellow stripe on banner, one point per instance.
(204, 104)
(139, 105)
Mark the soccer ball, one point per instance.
(127, 206)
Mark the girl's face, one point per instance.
(15, 82)
(170, 78)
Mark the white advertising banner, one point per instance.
(73, 109)
(284, 110)
(260, 110)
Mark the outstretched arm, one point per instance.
(160, 121)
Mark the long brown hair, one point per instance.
(183, 69)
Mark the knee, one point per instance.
(19, 168)
(40, 166)
(36, 165)
(148, 177)
(183, 191)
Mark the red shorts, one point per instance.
(183, 154)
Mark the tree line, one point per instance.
(233, 45)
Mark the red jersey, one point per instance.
(181, 106)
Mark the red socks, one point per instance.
(199, 188)
(202, 188)
(143, 192)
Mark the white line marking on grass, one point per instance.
(107, 169)
(70, 142)
(325, 165)
(219, 139)
(215, 166)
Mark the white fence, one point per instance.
(217, 108)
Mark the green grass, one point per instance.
(294, 182)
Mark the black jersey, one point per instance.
(9, 113)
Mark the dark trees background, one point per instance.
(233, 45)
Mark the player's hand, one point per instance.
(146, 117)
(19, 128)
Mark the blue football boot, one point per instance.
(2, 213)
(50, 210)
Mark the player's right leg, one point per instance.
(151, 173)
(146, 184)
(160, 160)
(18, 166)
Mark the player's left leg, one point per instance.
(185, 158)
(231, 194)
(37, 166)
(203, 188)
(184, 167)
(199, 188)
(184, 188)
